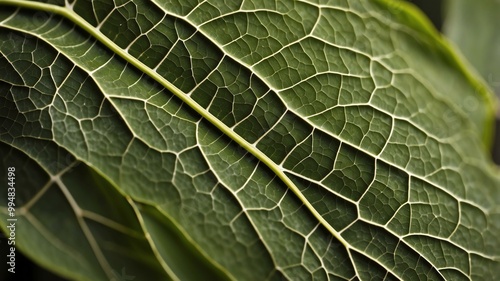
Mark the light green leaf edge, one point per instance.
(416, 19)
(473, 29)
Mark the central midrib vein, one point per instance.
(79, 21)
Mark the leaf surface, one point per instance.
(272, 140)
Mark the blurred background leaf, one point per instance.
(473, 26)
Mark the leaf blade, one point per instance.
(343, 159)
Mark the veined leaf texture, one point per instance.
(245, 140)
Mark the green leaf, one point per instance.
(247, 140)
(472, 26)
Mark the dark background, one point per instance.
(433, 10)
(27, 271)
